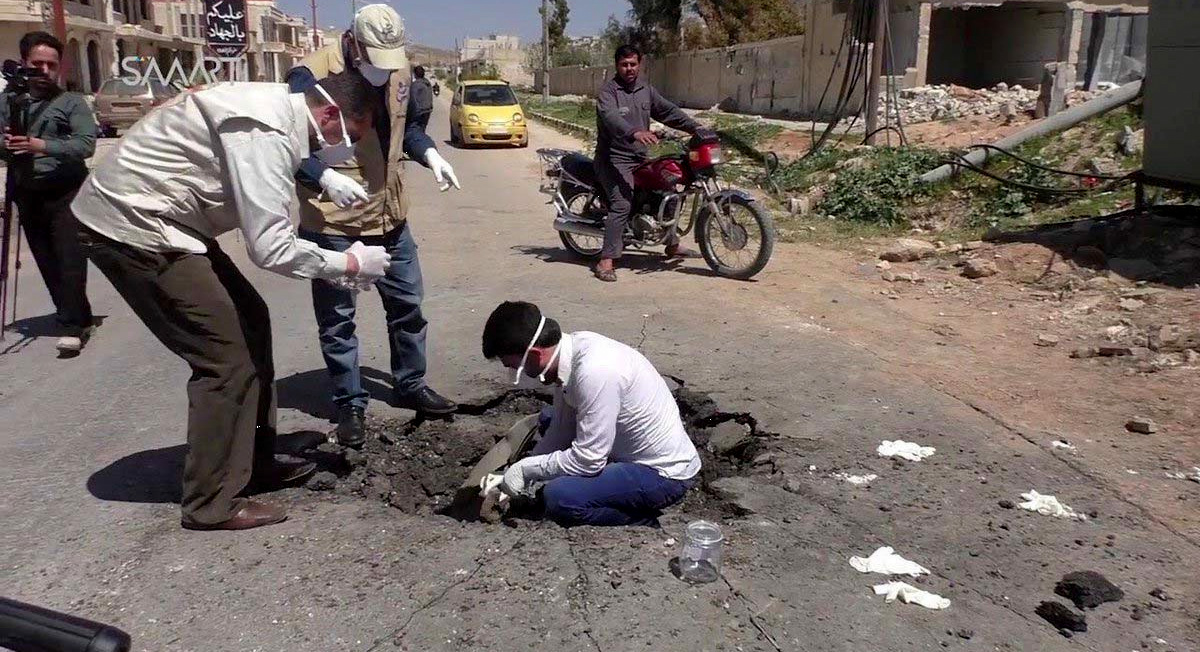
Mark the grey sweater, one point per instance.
(69, 128)
(622, 111)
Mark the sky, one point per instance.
(439, 22)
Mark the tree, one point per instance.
(730, 22)
(560, 13)
(653, 26)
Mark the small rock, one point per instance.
(907, 250)
(1007, 504)
(1047, 340)
(883, 265)
(616, 584)
(965, 634)
(972, 245)
(1061, 616)
(1098, 283)
(793, 486)
(1143, 425)
(1132, 305)
(323, 481)
(729, 438)
(1085, 352)
(978, 268)
(1161, 594)
(1087, 589)
(1191, 357)
(954, 248)
(1114, 350)
(888, 275)
(355, 458)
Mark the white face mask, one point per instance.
(554, 356)
(337, 153)
(376, 76)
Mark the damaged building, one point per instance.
(980, 44)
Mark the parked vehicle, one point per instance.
(676, 192)
(119, 104)
(486, 112)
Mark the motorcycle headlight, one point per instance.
(472, 118)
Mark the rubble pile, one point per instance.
(930, 103)
(419, 466)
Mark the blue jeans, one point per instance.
(624, 493)
(401, 290)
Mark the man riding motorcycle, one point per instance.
(624, 107)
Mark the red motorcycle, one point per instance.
(675, 192)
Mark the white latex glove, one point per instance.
(341, 189)
(519, 477)
(442, 172)
(373, 261)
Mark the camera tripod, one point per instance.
(18, 103)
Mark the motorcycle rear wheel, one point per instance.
(580, 202)
(728, 241)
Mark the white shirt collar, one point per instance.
(300, 117)
(566, 356)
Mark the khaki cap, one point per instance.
(380, 30)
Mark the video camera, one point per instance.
(18, 76)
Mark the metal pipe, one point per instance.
(578, 228)
(1058, 122)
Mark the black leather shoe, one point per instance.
(425, 401)
(351, 430)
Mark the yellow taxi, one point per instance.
(486, 112)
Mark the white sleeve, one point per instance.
(599, 402)
(258, 161)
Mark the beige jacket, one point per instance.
(209, 161)
(383, 179)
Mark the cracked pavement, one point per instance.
(350, 574)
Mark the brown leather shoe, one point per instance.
(286, 472)
(252, 514)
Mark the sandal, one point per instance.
(606, 275)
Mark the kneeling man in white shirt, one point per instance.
(615, 451)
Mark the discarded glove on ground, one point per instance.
(886, 561)
(1049, 506)
(905, 449)
(911, 595)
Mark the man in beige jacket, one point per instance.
(208, 162)
(365, 199)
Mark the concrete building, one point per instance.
(978, 44)
(499, 50)
(102, 33)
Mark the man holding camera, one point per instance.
(48, 136)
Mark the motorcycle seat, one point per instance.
(580, 167)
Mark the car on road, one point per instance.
(486, 112)
(119, 104)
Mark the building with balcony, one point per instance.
(101, 34)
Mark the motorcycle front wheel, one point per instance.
(583, 203)
(737, 241)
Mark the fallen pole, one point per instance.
(1058, 122)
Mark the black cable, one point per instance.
(961, 161)
(888, 128)
(853, 31)
(1069, 173)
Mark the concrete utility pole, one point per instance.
(316, 30)
(545, 50)
(877, 50)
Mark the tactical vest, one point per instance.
(383, 177)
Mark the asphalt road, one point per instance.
(90, 448)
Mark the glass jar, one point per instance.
(700, 558)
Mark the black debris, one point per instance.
(1088, 589)
(1061, 616)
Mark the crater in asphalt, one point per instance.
(417, 466)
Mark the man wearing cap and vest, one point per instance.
(207, 162)
(364, 199)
